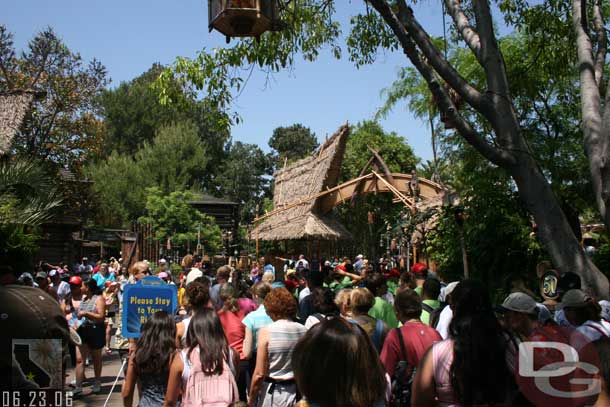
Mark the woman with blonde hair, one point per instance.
(361, 301)
(343, 302)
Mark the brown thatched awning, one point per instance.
(305, 227)
(13, 107)
(299, 181)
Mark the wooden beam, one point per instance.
(394, 190)
(311, 197)
(384, 166)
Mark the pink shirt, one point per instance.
(246, 305)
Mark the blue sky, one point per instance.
(127, 36)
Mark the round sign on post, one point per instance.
(141, 300)
(548, 285)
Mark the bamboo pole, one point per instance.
(392, 188)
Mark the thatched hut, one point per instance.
(14, 105)
(296, 216)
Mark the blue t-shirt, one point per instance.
(256, 320)
(100, 279)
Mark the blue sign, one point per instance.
(141, 300)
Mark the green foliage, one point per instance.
(28, 194)
(18, 244)
(399, 157)
(243, 177)
(393, 148)
(172, 217)
(28, 197)
(64, 125)
(118, 187)
(133, 115)
(174, 160)
(292, 143)
(309, 28)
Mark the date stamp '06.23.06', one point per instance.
(36, 398)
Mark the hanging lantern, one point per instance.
(243, 18)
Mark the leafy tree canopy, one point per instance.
(244, 177)
(174, 161)
(292, 143)
(172, 217)
(133, 115)
(64, 125)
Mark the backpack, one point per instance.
(376, 337)
(401, 381)
(435, 315)
(203, 390)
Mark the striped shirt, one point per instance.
(256, 320)
(283, 336)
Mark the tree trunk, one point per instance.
(596, 130)
(554, 230)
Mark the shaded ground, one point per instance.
(111, 366)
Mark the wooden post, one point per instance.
(257, 243)
(464, 254)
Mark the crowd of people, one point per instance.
(334, 333)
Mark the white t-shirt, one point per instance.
(444, 319)
(306, 291)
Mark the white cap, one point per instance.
(359, 257)
(193, 275)
(162, 261)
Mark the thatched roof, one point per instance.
(13, 107)
(301, 180)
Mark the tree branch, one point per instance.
(468, 33)
(407, 23)
(445, 104)
(589, 90)
(491, 58)
(602, 42)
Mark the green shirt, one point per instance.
(392, 286)
(425, 315)
(383, 310)
(419, 290)
(337, 286)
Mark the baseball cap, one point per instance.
(45, 320)
(573, 299)
(419, 269)
(193, 275)
(42, 274)
(393, 273)
(162, 261)
(75, 280)
(359, 257)
(520, 302)
(53, 273)
(290, 272)
(163, 275)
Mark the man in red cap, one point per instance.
(420, 271)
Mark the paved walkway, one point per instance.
(110, 368)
